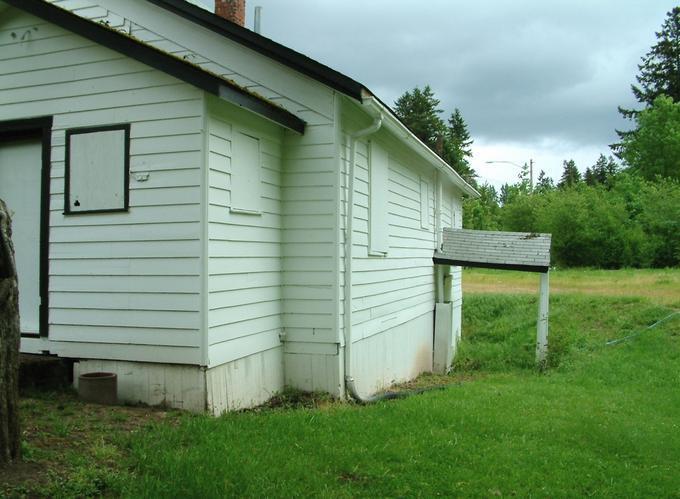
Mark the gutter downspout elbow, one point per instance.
(349, 230)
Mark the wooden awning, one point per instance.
(525, 251)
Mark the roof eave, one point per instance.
(318, 72)
(265, 46)
(157, 59)
(441, 259)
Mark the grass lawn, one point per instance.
(602, 420)
(661, 286)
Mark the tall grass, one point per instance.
(500, 329)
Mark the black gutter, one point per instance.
(264, 46)
(486, 265)
(160, 60)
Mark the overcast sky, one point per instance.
(534, 79)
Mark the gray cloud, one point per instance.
(521, 71)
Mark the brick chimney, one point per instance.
(232, 10)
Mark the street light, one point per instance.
(531, 170)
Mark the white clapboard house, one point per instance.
(211, 215)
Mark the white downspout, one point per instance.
(438, 201)
(439, 269)
(349, 229)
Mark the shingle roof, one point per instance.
(491, 249)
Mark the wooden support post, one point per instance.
(542, 325)
(439, 276)
(448, 284)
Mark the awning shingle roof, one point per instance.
(526, 251)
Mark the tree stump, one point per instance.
(10, 335)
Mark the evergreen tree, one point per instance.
(418, 110)
(457, 147)
(602, 172)
(544, 184)
(511, 192)
(570, 175)
(525, 179)
(589, 177)
(659, 70)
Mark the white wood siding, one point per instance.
(398, 287)
(245, 382)
(131, 284)
(245, 255)
(394, 295)
(122, 285)
(172, 33)
(452, 216)
(309, 189)
(311, 245)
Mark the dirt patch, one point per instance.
(15, 478)
(428, 381)
(73, 446)
(296, 399)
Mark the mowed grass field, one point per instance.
(660, 286)
(603, 419)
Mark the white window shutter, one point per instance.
(424, 204)
(97, 170)
(246, 180)
(378, 199)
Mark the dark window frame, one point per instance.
(41, 128)
(126, 165)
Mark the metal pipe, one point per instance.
(258, 20)
(349, 228)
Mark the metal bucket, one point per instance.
(98, 387)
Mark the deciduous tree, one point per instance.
(482, 213)
(653, 148)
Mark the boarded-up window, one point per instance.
(378, 226)
(456, 215)
(245, 174)
(424, 204)
(97, 169)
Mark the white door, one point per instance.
(20, 165)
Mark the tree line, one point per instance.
(622, 211)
